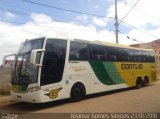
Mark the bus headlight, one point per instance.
(33, 89)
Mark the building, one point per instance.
(155, 45)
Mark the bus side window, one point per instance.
(97, 52)
(151, 57)
(78, 51)
(125, 55)
(137, 56)
(112, 58)
(83, 54)
(114, 54)
(73, 56)
(53, 62)
(144, 56)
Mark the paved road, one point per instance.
(146, 99)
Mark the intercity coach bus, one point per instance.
(48, 69)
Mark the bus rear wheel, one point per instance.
(77, 92)
(145, 81)
(139, 82)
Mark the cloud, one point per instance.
(99, 21)
(143, 17)
(82, 19)
(42, 25)
(138, 16)
(41, 18)
(96, 7)
(9, 15)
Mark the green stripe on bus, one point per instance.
(106, 72)
(113, 72)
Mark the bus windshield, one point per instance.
(23, 72)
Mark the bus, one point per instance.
(53, 68)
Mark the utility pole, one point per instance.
(116, 22)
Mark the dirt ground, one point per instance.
(5, 100)
(146, 99)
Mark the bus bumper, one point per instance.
(32, 97)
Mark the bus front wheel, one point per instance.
(77, 92)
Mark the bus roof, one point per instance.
(98, 42)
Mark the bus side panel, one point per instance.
(94, 76)
(130, 71)
(98, 76)
(106, 77)
(79, 72)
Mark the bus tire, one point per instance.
(139, 82)
(78, 92)
(145, 81)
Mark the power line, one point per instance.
(121, 21)
(14, 11)
(1, 3)
(21, 13)
(140, 30)
(63, 9)
(129, 11)
(144, 13)
(131, 38)
(40, 34)
(26, 14)
(49, 26)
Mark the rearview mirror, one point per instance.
(9, 62)
(36, 56)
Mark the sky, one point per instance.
(20, 20)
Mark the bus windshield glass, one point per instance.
(24, 72)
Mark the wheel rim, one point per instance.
(76, 92)
(139, 84)
(146, 82)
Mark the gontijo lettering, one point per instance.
(131, 66)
